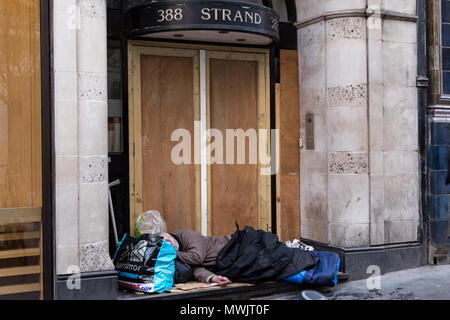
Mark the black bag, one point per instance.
(145, 263)
(183, 272)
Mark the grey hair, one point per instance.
(167, 235)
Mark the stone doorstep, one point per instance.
(236, 291)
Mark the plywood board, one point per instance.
(167, 105)
(233, 105)
(288, 195)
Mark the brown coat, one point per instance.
(200, 252)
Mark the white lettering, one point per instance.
(226, 14)
(237, 16)
(184, 147)
(241, 136)
(205, 14)
(248, 15)
(258, 18)
(216, 13)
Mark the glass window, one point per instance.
(20, 152)
(280, 7)
(114, 97)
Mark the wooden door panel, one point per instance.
(233, 105)
(288, 188)
(167, 105)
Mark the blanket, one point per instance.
(253, 256)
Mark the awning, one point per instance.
(234, 22)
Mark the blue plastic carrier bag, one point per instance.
(145, 264)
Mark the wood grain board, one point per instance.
(20, 142)
(167, 105)
(233, 105)
(288, 192)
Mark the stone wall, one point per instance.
(357, 63)
(81, 192)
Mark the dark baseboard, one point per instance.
(100, 285)
(388, 258)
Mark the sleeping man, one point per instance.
(247, 255)
(200, 252)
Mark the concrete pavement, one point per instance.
(424, 283)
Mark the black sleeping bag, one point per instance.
(253, 256)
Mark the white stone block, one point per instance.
(64, 7)
(93, 123)
(66, 214)
(66, 169)
(401, 197)
(307, 9)
(64, 44)
(397, 162)
(399, 31)
(93, 169)
(399, 64)
(66, 86)
(93, 9)
(347, 129)
(400, 6)
(66, 259)
(93, 211)
(399, 96)
(92, 86)
(66, 128)
(343, 5)
(349, 234)
(92, 47)
(346, 63)
(311, 40)
(348, 198)
(376, 161)
(314, 230)
(400, 129)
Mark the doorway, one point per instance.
(199, 126)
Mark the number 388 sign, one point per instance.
(164, 16)
(168, 15)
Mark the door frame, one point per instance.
(48, 153)
(138, 47)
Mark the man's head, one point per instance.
(170, 240)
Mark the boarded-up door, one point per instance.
(180, 90)
(239, 192)
(165, 101)
(20, 151)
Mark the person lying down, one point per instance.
(248, 255)
(200, 252)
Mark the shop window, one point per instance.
(115, 123)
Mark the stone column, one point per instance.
(80, 71)
(359, 186)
